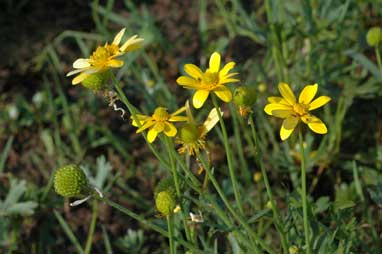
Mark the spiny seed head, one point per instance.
(189, 133)
(96, 81)
(70, 181)
(165, 202)
(244, 96)
(374, 36)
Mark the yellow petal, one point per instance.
(315, 124)
(270, 108)
(224, 71)
(115, 63)
(170, 130)
(178, 119)
(288, 127)
(278, 100)
(118, 37)
(140, 118)
(81, 63)
(131, 44)
(199, 98)
(228, 80)
(79, 78)
(319, 102)
(152, 135)
(146, 125)
(223, 93)
(187, 82)
(159, 126)
(215, 62)
(193, 70)
(287, 93)
(180, 110)
(307, 94)
(74, 72)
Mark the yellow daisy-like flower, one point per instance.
(104, 57)
(293, 111)
(160, 121)
(212, 80)
(192, 135)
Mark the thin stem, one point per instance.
(170, 226)
(229, 157)
(237, 216)
(89, 241)
(303, 193)
(378, 55)
(275, 211)
(149, 224)
(177, 185)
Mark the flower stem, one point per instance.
(177, 185)
(89, 241)
(149, 224)
(237, 216)
(378, 55)
(303, 193)
(170, 226)
(275, 211)
(229, 157)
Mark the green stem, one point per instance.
(229, 157)
(378, 55)
(275, 211)
(89, 241)
(177, 185)
(236, 215)
(170, 226)
(149, 224)
(303, 193)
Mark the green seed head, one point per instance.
(96, 81)
(374, 36)
(165, 202)
(70, 181)
(189, 133)
(244, 96)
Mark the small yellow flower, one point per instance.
(192, 135)
(257, 177)
(160, 121)
(212, 80)
(292, 112)
(104, 57)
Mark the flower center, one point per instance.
(210, 79)
(300, 109)
(160, 114)
(103, 53)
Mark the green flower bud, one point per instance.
(165, 202)
(96, 81)
(166, 184)
(293, 249)
(374, 36)
(70, 181)
(189, 133)
(244, 96)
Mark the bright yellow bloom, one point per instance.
(104, 57)
(292, 112)
(160, 121)
(212, 80)
(192, 135)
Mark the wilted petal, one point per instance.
(81, 63)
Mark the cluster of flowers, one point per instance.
(94, 72)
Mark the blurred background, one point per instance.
(46, 122)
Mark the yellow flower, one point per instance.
(292, 112)
(160, 121)
(104, 57)
(193, 135)
(212, 80)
